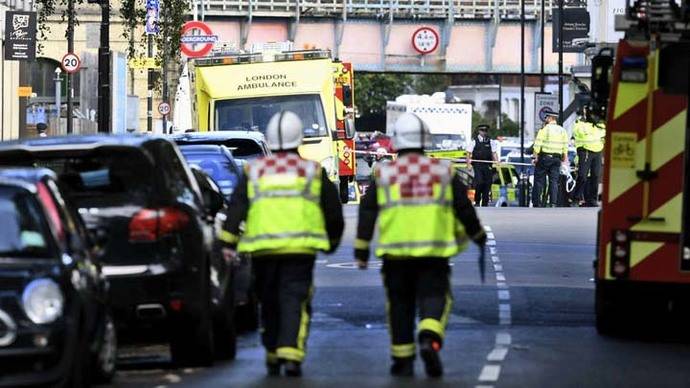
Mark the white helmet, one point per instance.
(284, 131)
(411, 132)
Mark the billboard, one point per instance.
(576, 25)
(20, 36)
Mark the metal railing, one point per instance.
(400, 9)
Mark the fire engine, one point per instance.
(642, 271)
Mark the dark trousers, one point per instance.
(413, 284)
(483, 177)
(588, 175)
(547, 165)
(284, 288)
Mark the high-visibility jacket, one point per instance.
(284, 214)
(589, 136)
(416, 216)
(552, 139)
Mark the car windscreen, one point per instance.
(218, 167)
(253, 114)
(104, 179)
(447, 142)
(24, 234)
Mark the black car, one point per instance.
(217, 161)
(138, 194)
(55, 325)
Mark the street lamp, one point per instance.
(58, 96)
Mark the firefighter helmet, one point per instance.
(284, 131)
(411, 132)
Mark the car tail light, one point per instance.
(152, 224)
(620, 254)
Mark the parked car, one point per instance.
(216, 161)
(138, 193)
(55, 325)
(206, 149)
(245, 145)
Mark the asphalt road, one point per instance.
(529, 325)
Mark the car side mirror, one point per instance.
(212, 197)
(347, 95)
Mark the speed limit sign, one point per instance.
(71, 63)
(164, 108)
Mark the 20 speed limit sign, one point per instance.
(164, 108)
(71, 63)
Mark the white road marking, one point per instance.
(322, 261)
(498, 267)
(495, 259)
(504, 295)
(490, 236)
(492, 251)
(491, 243)
(497, 355)
(502, 285)
(490, 373)
(500, 277)
(483, 386)
(504, 339)
(487, 228)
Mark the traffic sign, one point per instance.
(197, 45)
(144, 63)
(425, 40)
(164, 108)
(71, 63)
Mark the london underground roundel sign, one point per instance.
(425, 40)
(197, 45)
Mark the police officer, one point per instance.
(589, 142)
(292, 211)
(424, 219)
(482, 150)
(550, 151)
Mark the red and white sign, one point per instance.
(425, 40)
(164, 108)
(197, 39)
(71, 63)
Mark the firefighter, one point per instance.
(550, 151)
(482, 150)
(424, 219)
(589, 142)
(292, 211)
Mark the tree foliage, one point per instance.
(508, 126)
(431, 83)
(372, 90)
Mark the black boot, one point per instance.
(403, 367)
(292, 369)
(273, 369)
(428, 349)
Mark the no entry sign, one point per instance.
(195, 45)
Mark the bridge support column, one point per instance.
(536, 45)
(491, 33)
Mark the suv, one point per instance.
(139, 196)
(55, 326)
(216, 161)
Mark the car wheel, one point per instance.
(104, 361)
(191, 342)
(224, 333)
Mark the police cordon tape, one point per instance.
(569, 185)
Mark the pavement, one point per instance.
(530, 325)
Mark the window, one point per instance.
(23, 226)
(42, 73)
(253, 114)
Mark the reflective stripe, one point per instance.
(291, 354)
(403, 351)
(228, 237)
(283, 235)
(414, 202)
(432, 325)
(304, 322)
(419, 244)
(361, 244)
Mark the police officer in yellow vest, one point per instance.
(292, 211)
(589, 142)
(550, 151)
(424, 218)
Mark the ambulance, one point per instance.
(242, 90)
(642, 270)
